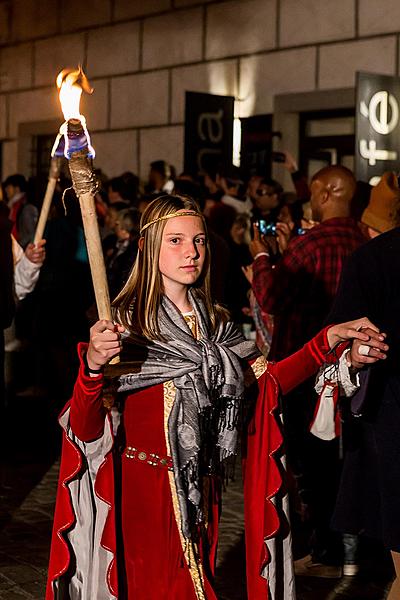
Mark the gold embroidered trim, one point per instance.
(191, 321)
(257, 369)
(259, 366)
(194, 564)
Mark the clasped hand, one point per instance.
(105, 343)
(36, 253)
(366, 337)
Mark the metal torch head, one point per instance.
(73, 135)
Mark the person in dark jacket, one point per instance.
(369, 492)
(121, 256)
(7, 305)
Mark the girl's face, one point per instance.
(182, 252)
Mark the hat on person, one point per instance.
(382, 212)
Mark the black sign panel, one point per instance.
(256, 145)
(208, 132)
(377, 125)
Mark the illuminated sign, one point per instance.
(377, 125)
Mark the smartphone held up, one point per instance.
(266, 228)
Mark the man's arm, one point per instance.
(27, 267)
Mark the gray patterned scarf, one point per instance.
(208, 376)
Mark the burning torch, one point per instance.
(73, 142)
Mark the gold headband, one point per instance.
(175, 214)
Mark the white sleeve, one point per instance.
(26, 274)
(338, 374)
(17, 250)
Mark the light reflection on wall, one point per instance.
(237, 140)
(222, 79)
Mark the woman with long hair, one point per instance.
(139, 494)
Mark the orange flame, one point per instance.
(71, 83)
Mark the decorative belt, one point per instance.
(149, 457)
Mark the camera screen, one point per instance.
(266, 228)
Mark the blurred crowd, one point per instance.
(277, 261)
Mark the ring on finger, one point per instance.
(364, 350)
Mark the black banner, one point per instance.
(256, 145)
(208, 132)
(377, 125)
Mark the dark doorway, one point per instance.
(326, 137)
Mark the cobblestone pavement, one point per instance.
(27, 491)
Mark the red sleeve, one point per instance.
(87, 412)
(292, 371)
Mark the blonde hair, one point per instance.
(137, 304)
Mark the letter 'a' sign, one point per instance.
(377, 125)
(208, 132)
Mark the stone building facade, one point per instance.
(276, 57)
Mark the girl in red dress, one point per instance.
(139, 492)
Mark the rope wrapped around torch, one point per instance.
(85, 186)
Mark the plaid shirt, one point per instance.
(299, 290)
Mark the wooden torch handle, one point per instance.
(84, 182)
(95, 252)
(54, 174)
(44, 212)
(96, 260)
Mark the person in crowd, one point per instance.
(233, 189)
(301, 288)
(369, 491)
(145, 200)
(267, 200)
(298, 178)
(19, 272)
(299, 293)
(291, 211)
(183, 373)
(120, 257)
(108, 235)
(238, 285)
(361, 199)
(220, 219)
(7, 303)
(213, 190)
(381, 212)
(263, 322)
(160, 177)
(23, 214)
(64, 287)
(118, 192)
(132, 185)
(27, 265)
(289, 223)
(253, 185)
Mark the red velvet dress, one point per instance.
(155, 563)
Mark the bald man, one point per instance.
(299, 292)
(332, 191)
(300, 289)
